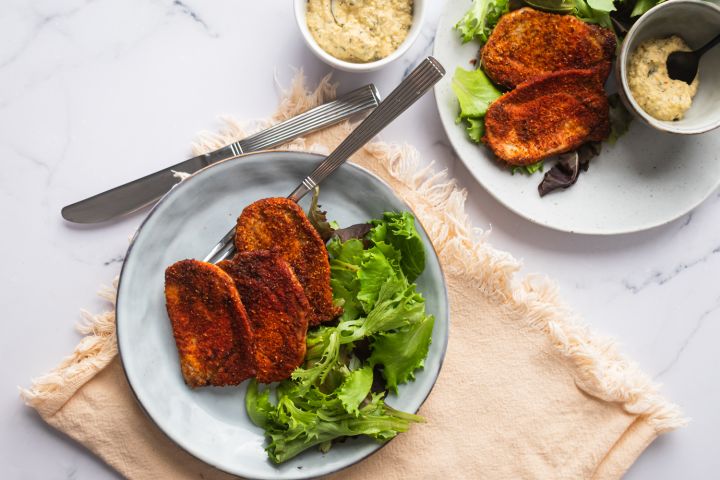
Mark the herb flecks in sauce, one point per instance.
(652, 88)
(359, 31)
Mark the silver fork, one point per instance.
(410, 89)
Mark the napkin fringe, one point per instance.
(98, 347)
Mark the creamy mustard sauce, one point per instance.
(657, 94)
(359, 31)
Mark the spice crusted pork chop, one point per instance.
(281, 225)
(552, 114)
(209, 323)
(527, 43)
(277, 309)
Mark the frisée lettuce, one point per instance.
(479, 21)
(379, 342)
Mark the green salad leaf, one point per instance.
(258, 405)
(559, 6)
(373, 274)
(330, 395)
(475, 92)
(481, 18)
(398, 230)
(346, 258)
(306, 419)
(594, 11)
(528, 169)
(398, 305)
(602, 5)
(402, 352)
(317, 371)
(355, 389)
(475, 128)
(642, 6)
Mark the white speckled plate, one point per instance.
(646, 179)
(211, 423)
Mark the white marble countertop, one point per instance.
(97, 92)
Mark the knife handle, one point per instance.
(314, 119)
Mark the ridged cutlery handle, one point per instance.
(353, 102)
(408, 92)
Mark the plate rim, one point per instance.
(582, 231)
(239, 159)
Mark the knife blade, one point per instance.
(147, 190)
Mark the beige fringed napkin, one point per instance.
(525, 392)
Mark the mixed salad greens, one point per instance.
(483, 15)
(475, 91)
(381, 339)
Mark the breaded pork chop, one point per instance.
(277, 309)
(527, 43)
(209, 323)
(552, 114)
(281, 225)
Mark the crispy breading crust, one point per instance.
(527, 43)
(279, 223)
(277, 308)
(552, 114)
(209, 323)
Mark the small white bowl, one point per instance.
(696, 22)
(418, 20)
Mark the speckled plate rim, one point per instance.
(238, 159)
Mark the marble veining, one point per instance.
(96, 92)
(425, 39)
(710, 313)
(662, 277)
(186, 10)
(32, 159)
(688, 219)
(116, 259)
(40, 21)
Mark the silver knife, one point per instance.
(147, 190)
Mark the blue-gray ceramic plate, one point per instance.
(211, 423)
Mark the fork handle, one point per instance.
(405, 94)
